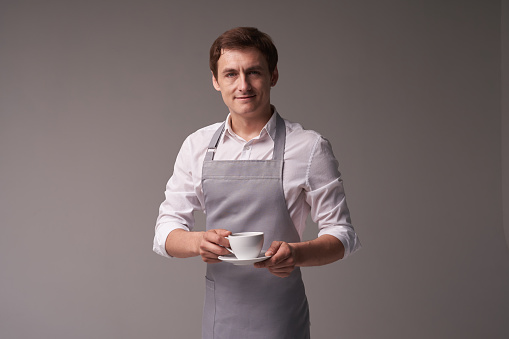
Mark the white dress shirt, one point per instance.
(311, 181)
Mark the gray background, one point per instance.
(96, 98)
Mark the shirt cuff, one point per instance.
(345, 234)
(162, 231)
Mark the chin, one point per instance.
(244, 110)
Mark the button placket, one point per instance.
(246, 152)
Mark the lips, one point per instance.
(245, 97)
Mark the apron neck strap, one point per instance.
(211, 149)
(279, 142)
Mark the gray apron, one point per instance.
(244, 302)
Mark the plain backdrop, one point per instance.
(96, 98)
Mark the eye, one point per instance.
(229, 75)
(255, 72)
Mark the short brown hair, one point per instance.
(240, 38)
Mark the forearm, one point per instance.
(320, 251)
(183, 244)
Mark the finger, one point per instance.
(284, 253)
(210, 249)
(287, 264)
(274, 247)
(276, 263)
(286, 268)
(212, 256)
(211, 260)
(261, 264)
(223, 240)
(222, 232)
(264, 264)
(282, 272)
(217, 237)
(281, 275)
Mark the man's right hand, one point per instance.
(212, 245)
(209, 245)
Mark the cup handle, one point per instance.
(229, 250)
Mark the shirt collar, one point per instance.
(269, 128)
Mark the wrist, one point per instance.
(298, 252)
(198, 237)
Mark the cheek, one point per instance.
(265, 85)
(227, 87)
(225, 96)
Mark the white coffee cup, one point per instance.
(246, 245)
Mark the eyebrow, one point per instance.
(253, 68)
(229, 70)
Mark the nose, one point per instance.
(244, 84)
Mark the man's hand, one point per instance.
(320, 251)
(209, 245)
(282, 262)
(212, 244)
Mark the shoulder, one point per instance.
(305, 140)
(307, 145)
(311, 153)
(201, 137)
(296, 130)
(205, 131)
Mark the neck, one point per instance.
(249, 127)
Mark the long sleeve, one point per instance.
(181, 199)
(325, 194)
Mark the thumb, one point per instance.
(273, 248)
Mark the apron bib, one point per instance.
(243, 302)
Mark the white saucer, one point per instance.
(233, 259)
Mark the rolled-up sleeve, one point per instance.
(326, 196)
(181, 200)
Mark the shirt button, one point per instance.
(247, 148)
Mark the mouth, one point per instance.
(245, 97)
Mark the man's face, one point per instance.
(244, 80)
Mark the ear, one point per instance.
(215, 83)
(274, 77)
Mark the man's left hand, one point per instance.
(282, 262)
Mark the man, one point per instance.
(254, 172)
